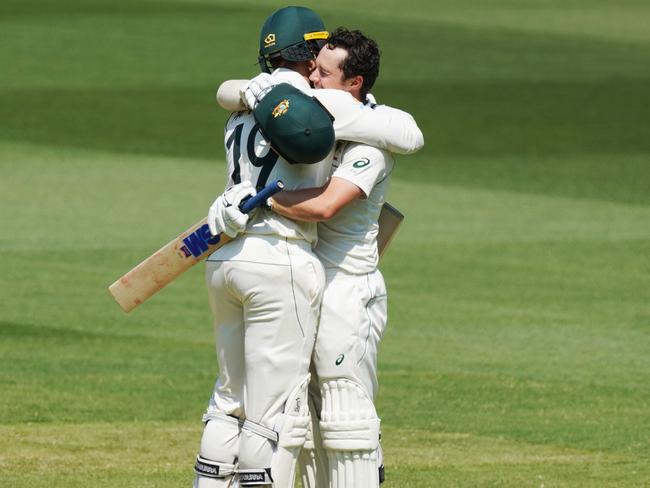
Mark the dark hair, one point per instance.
(362, 59)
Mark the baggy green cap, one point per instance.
(299, 127)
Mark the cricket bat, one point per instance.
(389, 221)
(180, 254)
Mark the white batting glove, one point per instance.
(224, 214)
(253, 91)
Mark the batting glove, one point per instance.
(224, 215)
(253, 91)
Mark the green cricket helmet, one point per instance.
(298, 126)
(293, 34)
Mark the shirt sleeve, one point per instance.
(228, 95)
(364, 166)
(382, 126)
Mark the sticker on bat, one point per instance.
(196, 244)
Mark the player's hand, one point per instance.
(224, 214)
(253, 91)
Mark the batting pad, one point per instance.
(271, 454)
(313, 459)
(348, 420)
(216, 462)
(350, 431)
(292, 426)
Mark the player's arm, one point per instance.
(316, 204)
(384, 127)
(228, 95)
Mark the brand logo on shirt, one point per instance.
(339, 359)
(281, 109)
(361, 163)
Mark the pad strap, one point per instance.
(255, 477)
(259, 429)
(212, 469)
(249, 425)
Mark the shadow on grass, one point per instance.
(568, 138)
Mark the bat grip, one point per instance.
(261, 197)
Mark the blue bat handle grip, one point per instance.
(257, 200)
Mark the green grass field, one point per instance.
(518, 347)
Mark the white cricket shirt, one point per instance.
(349, 240)
(249, 155)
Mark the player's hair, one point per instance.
(277, 61)
(362, 59)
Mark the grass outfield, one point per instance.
(517, 351)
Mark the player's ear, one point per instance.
(354, 83)
(312, 65)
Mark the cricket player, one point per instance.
(353, 312)
(265, 287)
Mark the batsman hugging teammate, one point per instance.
(266, 286)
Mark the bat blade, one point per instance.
(389, 221)
(165, 265)
(177, 256)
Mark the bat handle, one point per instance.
(259, 199)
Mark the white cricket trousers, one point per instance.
(344, 451)
(265, 293)
(353, 320)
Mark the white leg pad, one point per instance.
(274, 462)
(216, 463)
(292, 426)
(353, 469)
(350, 431)
(380, 462)
(312, 460)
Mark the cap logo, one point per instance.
(269, 40)
(281, 109)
